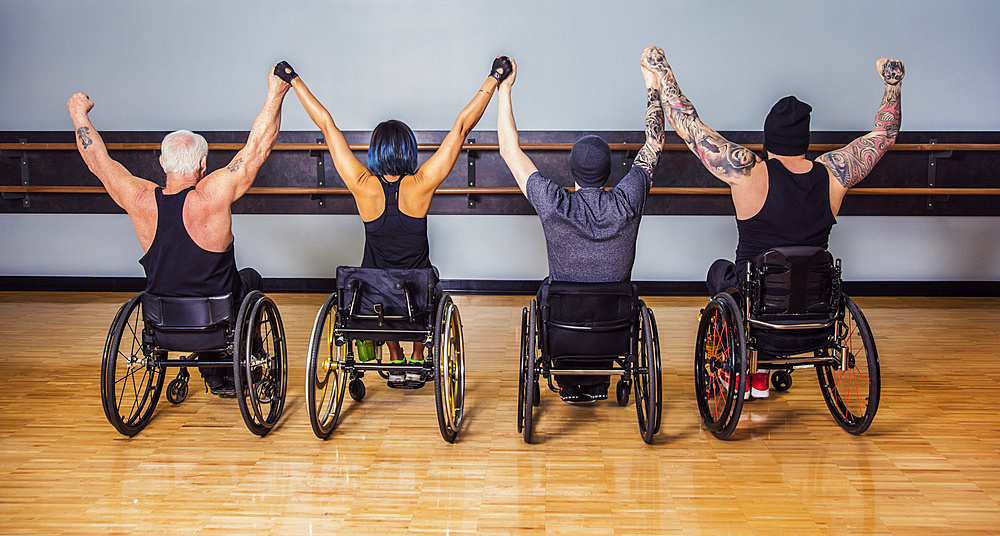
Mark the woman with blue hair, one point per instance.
(393, 193)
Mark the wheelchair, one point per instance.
(792, 314)
(590, 321)
(372, 306)
(148, 328)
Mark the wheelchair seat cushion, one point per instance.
(394, 294)
(583, 320)
(188, 323)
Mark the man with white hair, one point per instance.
(185, 228)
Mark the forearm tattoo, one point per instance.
(235, 166)
(650, 152)
(723, 158)
(854, 162)
(83, 134)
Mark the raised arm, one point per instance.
(230, 183)
(855, 161)
(650, 152)
(123, 187)
(730, 162)
(348, 166)
(510, 149)
(434, 171)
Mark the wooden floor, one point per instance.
(930, 464)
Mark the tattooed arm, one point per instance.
(650, 152)
(510, 149)
(849, 165)
(123, 187)
(730, 162)
(228, 184)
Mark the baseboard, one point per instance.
(502, 286)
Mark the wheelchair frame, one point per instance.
(726, 354)
(260, 376)
(639, 370)
(332, 358)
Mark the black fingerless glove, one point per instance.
(501, 68)
(285, 72)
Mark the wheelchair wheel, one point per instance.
(260, 363)
(356, 388)
(449, 368)
(177, 390)
(720, 365)
(531, 389)
(621, 393)
(521, 383)
(326, 377)
(646, 376)
(853, 394)
(131, 380)
(781, 380)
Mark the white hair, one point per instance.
(182, 151)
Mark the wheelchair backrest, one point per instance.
(375, 297)
(794, 283)
(587, 319)
(188, 323)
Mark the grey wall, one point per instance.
(202, 65)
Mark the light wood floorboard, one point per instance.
(930, 464)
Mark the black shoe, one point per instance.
(595, 392)
(571, 395)
(221, 386)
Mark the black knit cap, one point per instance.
(590, 161)
(786, 128)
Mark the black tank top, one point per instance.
(395, 240)
(176, 266)
(795, 213)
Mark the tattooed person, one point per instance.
(787, 199)
(590, 232)
(185, 228)
(393, 193)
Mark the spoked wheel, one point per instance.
(646, 376)
(531, 389)
(177, 389)
(130, 380)
(521, 367)
(852, 391)
(449, 368)
(326, 377)
(260, 363)
(720, 365)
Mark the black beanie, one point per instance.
(590, 161)
(786, 128)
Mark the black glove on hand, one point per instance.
(501, 68)
(285, 72)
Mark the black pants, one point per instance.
(722, 275)
(250, 280)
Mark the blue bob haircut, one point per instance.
(392, 150)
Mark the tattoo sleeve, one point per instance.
(84, 134)
(726, 160)
(854, 162)
(650, 152)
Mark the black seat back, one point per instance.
(793, 286)
(386, 299)
(188, 324)
(587, 319)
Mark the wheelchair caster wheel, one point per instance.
(357, 389)
(621, 393)
(781, 380)
(177, 390)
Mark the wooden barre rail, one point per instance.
(507, 190)
(489, 146)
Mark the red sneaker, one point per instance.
(758, 385)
